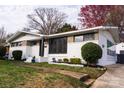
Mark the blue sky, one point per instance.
(14, 18)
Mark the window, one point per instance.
(85, 37)
(109, 43)
(33, 43)
(15, 44)
(79, 38)
(12, 45)
(18, 43)
(109, 51)
(58, 45)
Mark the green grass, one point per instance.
(54, 79)
(12, 74)
(93, 72)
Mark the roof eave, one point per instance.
(20, 32)
(88, 30)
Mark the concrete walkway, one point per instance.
(113, 77)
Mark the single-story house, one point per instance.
(65, 45)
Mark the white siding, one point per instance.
(73, 50)
(35, 50)
(106, 59)
(27, 51)
(46, 50)
(22, 48)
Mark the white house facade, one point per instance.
(65, 45)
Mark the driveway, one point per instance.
(113, 77)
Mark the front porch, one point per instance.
(35, 48)
(37, 59)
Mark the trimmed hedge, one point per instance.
(66, 60)
(2, 52)
(17, 54)
(60, 60)
(75, 60)
(91, 52)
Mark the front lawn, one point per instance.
(12, 74)
(93, 72)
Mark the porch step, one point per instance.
(28, 60)
(37, 59)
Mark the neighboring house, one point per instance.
(120, 52)
(120, 48)
(65, 45)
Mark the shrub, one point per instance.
(75, 60)
(17, 54)
(66, 60)
(60, 60)
(2, 52)
(91, 52)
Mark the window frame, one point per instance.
(83, 35)
(109, 43)
(78, 36)
(59, 46)
(16, 44)
(110, 52)
(33, 43)
(93, 34)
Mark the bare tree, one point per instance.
(26, 29)
(9, 35)
(46, 20)
(2, 36)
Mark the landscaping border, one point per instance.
(72, 65)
